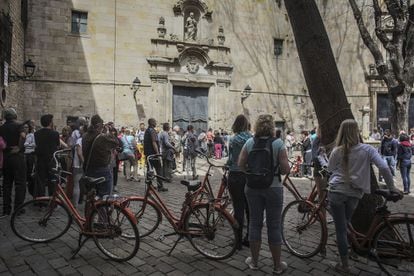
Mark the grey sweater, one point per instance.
(360, 158)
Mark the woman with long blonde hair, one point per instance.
(349, 164)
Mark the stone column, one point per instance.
(365, 127)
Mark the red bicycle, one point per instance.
(203, 221)
(108, 220)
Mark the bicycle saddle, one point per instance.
(93, 180)
(192, 185)
(389, 195)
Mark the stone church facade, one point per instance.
(198, 61)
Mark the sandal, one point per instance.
(249, 262)
(282, 268)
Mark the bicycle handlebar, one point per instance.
(58, 152)
(224, 167)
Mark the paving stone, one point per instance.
(77, 262)
(88, 270)
(20, 269)
(176, 273)
(186, 268)
(68, 270)
(58, 263)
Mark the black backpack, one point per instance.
(260, 164)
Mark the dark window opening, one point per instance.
(278, 46)
(23, 15)
(79, 22)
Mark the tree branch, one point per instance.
(368, 41)
(379, 30)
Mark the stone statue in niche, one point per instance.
(191, 27)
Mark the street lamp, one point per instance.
(135, 86)
(29, 69)
(247, 91)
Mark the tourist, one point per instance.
(210, 143)
(237, 178)
(47, 142)
(218, 145)
(404, 153)
(306, 153)
(176, 140)
(190, 152)
(152, 146)
(388, 150)
(167, 151)
(269, 199)
(289, 142)
(78, 160)
(14, 166)
(375, 135)
(97, 147)
(349, 164)
(29, 154)
(129, 148)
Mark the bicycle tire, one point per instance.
(211, 231)
(393, 247)
(108, 224)
(40, 220)
(149, 219)
(303, 231)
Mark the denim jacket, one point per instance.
(236, 143)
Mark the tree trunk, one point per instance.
(399, 110)
(324, 83)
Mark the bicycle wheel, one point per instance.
(394, 247)
(303, 230)
(148, 218)
(40, 220)
(112, 230)
(211, 231)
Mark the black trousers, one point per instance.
(156, 163)
(14, 172)
(44, 177)
(237, 182)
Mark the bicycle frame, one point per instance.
(192, 199)
(363, 242)
(60, 196)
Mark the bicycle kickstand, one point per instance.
(175, 244)
(80, 244)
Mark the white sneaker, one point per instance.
(249, 262)
(282, 268)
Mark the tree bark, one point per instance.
(324, 84)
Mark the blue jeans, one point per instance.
(342, 208)
(271, 200)
(104, 188)
(391, 163)
(405, 167)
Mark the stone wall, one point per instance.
(14, 91)
(85, 74)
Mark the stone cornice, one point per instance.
(185, 44)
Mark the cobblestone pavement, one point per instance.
(18, 257)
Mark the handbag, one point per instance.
(84, 181)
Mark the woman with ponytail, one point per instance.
(349, 164)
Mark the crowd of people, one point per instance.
(256, 160)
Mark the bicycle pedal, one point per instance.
(161, 238)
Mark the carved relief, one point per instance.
(193, 65)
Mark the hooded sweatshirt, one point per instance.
(235, 145)
(404, 151)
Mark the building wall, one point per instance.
(91, 73)
(14, 91)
